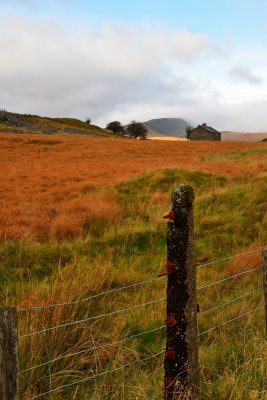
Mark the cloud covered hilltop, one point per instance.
(174, 127)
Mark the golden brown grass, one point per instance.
(56, 188)
(48, 184)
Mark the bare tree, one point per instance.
(188, 130)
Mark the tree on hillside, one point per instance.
(88, 121)
(116, 127)
(137, 129)
(188, 130)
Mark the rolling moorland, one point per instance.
(160, 128)
(82, 215)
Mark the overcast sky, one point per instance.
(201, 60)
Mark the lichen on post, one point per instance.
(181, 360)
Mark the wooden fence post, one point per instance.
(264, 257)
(8, 354)
(181, 359)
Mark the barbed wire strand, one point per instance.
(96, 366)
(232, 337)
(133, 307)
(136, 358)
(130, 382)
(92, 348)
(49, 369)
(222, 320)
(230, 320)
(93, 296)
(228, 258)
(231, 301)
(129, 286)
(92, 318)
(229, 277)
(244, 324)
(127, 309)
(100, 374)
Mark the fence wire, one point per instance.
(129, 286)
(228, 258)
(230, 320)
(91, 297)
(234, 336)
(92, 318)
(229, 277)
(95, 348)
(99, 374)
(129, 383)
(137, 361)
(231, 301)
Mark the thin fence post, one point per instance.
(181, 359)
(8, 354)
(264, 257)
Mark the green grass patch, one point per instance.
(81, 124)
(164, 180)
(25, 262)
(236, 156)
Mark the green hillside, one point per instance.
(34, 124)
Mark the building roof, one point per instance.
(207, 128)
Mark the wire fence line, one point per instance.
(97, 373)
(95, 348)
(93, 296)
(228, 258)
(130, 308)
(93, 318)
(132, 381)
(234, 336)
(229, 277)
(230, 320)
(130, 286)
(126, 287)
(231, 301)
(137, 335)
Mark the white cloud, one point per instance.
(186, 46)
(43, 64)
(118, 71)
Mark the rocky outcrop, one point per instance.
(16, 120)
(33, 124)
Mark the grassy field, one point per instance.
(83, 216)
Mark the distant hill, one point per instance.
(174, 127)
(33, 124)
(243, 136)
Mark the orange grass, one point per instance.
(49, 191)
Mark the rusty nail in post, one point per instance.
(170, 216)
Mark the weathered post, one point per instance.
(264, 257)
(181, 360)
(8, 354)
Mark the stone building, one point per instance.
(204, 132)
